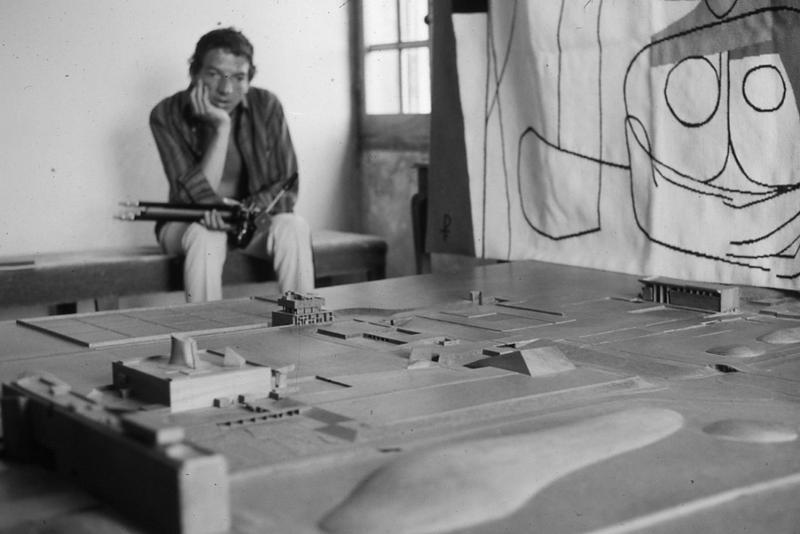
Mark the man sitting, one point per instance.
(222, 140)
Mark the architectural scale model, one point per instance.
(300, 309)
(520, 405)
(189, 378)
(696, 295)
(138, 462)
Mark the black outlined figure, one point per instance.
(567, 205)
(706, 116)
(726, 93)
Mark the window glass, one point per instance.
(412, 20)
(415, 64)
(381, 75)
(396, 61)
(380, 21)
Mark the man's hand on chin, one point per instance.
(205, 109)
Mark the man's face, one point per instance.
(226, 77)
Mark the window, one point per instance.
(396, 57)
(395, 70)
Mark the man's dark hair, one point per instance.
(228, 39)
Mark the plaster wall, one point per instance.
(79, 81)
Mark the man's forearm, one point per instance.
(213, 162)
(279, 197)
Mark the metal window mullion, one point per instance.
(394, 46)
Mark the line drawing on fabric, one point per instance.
(713, 84)
(735, 185)
(490, 105)
(533, 147)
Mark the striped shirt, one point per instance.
(261, 134)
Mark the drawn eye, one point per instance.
(692, 91)
(763, 88)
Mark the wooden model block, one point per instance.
(499, 351)
(142, 467)
(536, 361)
(280, 382)
(394, 336)
(694, 295)
(183, 351)
(232, 358)
(180, 388)
(152, 427)
(280, 318)
(476, 297)
(301, 309)
(423, 357)
(294, 302)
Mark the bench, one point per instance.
(105, 275)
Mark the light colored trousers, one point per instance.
(287, 242)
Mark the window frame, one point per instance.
(397, 131)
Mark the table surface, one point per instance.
(636, 417)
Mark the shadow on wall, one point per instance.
(135, 157)
(389, 182)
